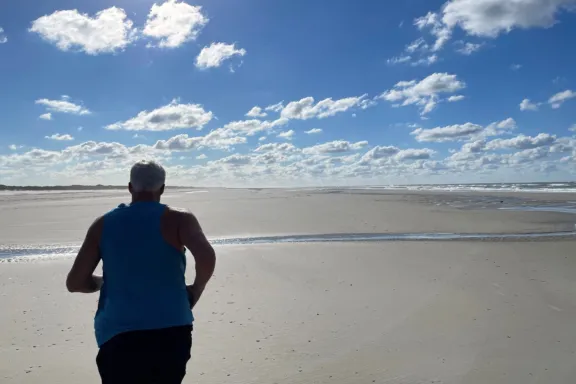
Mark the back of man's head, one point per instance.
(147, 176)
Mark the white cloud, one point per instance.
(168, 117)
(338, 146)
(60, 137)
(214, 55)
(63, 106)
(108, 31)
(414, 154)
(515, 67)
(233, 160)
(3, 38)
(173, 23)
(572, 128)
(417, 45)
(286, 135)
(277, 147)
(527, 105)
(425, 61)
(399, 59)
(220, 138)
(469, 48)
(425, 93)
(46, 116)
(252, 127)
(489, 18)
(313, 131)
(453, 99)
(14, 147)
(463, 132)
(380, 152)
(201, 157)
(437, 28)
(275, 107)
(522, 142)
(305, 108)
(256, 112)
(262, 138)
(558, 99)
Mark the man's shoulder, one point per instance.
(178, 213)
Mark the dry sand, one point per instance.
(318, 313)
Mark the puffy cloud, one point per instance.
(337, 146)
(529, 155)
(60, 137)
(306, 108)
(414, 154)
(173, 23)
(252, 127)
(453, 99)
(233, 160)
(201, 157)
(474, 146)
(313, 131)
(448, 133)
(108, 31)
(46, 116)
(62, 106)
(379, 152)
(256, 112)
(14, 147)
(522, 142)
(215, 54)
(558, 99)
(3, 38)
(463, 132)
(489, 18)
(425, 93)
(217, 139)
(168, 117)
(485, 18)
(286, 135)
(469, 48)
(527, 105)
(277, 147)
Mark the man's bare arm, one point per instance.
(81, 277)
(193, 238)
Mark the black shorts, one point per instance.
(141, 357)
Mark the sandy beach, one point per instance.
(381, 312)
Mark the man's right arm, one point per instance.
(193, 238)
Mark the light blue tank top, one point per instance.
(144, 285)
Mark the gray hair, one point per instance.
(147, 176)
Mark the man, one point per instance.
(143, 324)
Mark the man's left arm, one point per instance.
(81, 277)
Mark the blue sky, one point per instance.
(366, 92)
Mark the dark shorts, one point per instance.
(151, 356)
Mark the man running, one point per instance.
(143, 324)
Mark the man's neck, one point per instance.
(141, 198)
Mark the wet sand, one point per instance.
(394, 312)
(64, 218)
